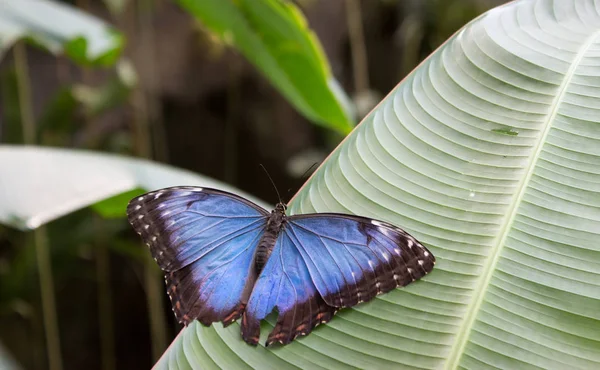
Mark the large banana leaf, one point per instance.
(489, 153)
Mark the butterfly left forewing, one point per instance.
(204, 240)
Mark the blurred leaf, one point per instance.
(7, 362)
(57, 122)
(40, 184)
(97, 100)
(513, 220)
(274, 36)
(59, 27)
(114, 207)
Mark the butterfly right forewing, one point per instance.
(352, 259)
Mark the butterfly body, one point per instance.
(275, 222)
(225, 257)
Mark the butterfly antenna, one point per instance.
(272, 182)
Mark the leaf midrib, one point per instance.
(463, 334)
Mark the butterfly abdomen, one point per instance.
(267, 241)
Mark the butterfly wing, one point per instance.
(339, 260)
(204, 241)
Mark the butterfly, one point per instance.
(225, 257)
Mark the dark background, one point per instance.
(211, 112)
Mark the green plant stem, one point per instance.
(48, 303)
(40, 237)
(105, 313)
(143, 117)
(145, 12)
(230, 152)
(154, 292)
(24, 91)
(360, 67)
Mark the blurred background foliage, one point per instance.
(213, 86)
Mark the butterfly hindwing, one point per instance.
(285, 284)
(322, 262)
(204, 240)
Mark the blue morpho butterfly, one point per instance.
(225, 257)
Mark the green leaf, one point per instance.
(114, 207)
(514, 220)
(274, 36)
(58, 120)
(59, 27)
(114, 92)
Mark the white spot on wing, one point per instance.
(140, 217)
(385, 256)
(426, 254)
(154, 238)
(196, 189)
(420, 262)
(371, 263)
(166, 213)
(140, 199)
(137, 208)
(410, 243)
(146, 227)
(397, 250)
(158, 195)
(376, 223)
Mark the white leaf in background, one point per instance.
(41, 184)
(52, 24)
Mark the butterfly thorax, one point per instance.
(275, 223)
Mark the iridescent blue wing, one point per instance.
(338, 260)
(204, 240)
